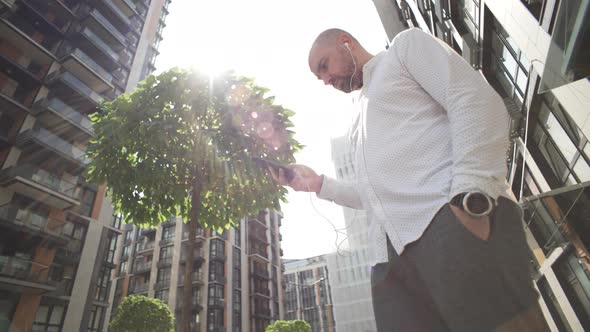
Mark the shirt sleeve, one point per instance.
(477, 116)
(339, 192)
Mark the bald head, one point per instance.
(337, 58)
(330, 38)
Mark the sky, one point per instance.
(269, 40)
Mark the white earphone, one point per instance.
(346, 45)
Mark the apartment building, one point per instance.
(536, 54)
(58, 60)
(237, 275)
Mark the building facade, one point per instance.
(58, 237)
(350, 276)
(308, 293)
(237, 275)
(536, 54)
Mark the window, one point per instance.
(49, 317)
(216, 271)
(237, 259)
(117, 221)
(162, 295)
(95, 318)
(215, 293)
(237, 278)
(237, 236)
(124, 267)
(168, 234)
(509, 65)
(164, 276)
(102, 284)
(166, 253)
(214, 318)
(217, 248)
(111, 247)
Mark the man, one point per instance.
(447, 243)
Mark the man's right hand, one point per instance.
(306, 179)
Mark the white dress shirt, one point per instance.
(429, 128)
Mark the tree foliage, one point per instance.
(143, 314)
(289, 326)
(179, 126)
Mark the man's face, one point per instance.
(334, 65)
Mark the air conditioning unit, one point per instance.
(406, 12)
(471, 50)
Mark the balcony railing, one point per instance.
(140, 267)
(65, 112)
(164, 261)
(261, 237)
(26, 270)
(92, 64)
(167, 241)
(196, 277)
(42, 177)
(196, 256)
(77, 86)
(140, 288)
(117, 12)
(262, 273)
(162, 284)
(53, 143)
(99, 43)
(145, 246)
(31, 220)
(261, 291)
(108, 26)
(195, 303)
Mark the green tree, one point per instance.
(182, 145)
(289, 326)
(143, 314)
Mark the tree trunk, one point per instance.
(187, 295)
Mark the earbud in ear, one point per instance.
(346, 45)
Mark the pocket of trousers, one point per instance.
(467, 230)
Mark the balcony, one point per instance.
(35, 51)
(10, 105)
(197, 258)
(103, 28)
(54, 114)
(145, 231)
(197, 278)
(40, 185)
(88, 71)
(262, 313)
(261, 292)
(164, 262)
(259, 254)
(70, 254)
(44, 17)
(33, 223)
(26, 77)
(216, 302)
(162, 284)
(200, 236)
(117, 16)
(74, 92)
(26, 275)
(43, 144)
(166, 242)
(142, 266)
(257, 221)
(91, 43)
(127, 7)
(195, 304)
(259, 236)
(139, 288)
(55, 11)
(144, 247)
(215, 278)
(261, 273)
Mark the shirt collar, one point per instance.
(369, 67)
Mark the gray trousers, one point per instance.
(451, 280)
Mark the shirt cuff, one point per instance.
(328, 190)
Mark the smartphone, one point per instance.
(289, 173)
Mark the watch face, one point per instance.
(478, 203)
